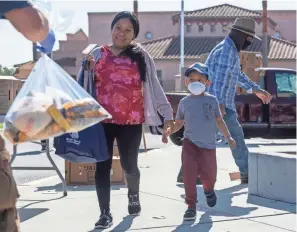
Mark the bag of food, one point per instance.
(50, 103)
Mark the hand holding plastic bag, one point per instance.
(47, 45)
(50, 104)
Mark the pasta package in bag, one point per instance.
(50, 104)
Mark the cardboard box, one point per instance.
(84, 174)
(250, 61)
(234, 176)
(8, 88)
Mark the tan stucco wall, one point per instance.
(282, 64)
(286, 23)
(158, 23)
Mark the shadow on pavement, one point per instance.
(34, 202)
(125, 224)
(27, 214)
(204, 224)
(224, 205)
(28, 153)
(73, 188)
(224, 208)
(272, 204)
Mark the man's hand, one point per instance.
(263, 95)
(223, 109)
(169, 125)
(165, 136)
(90, 64)
(232, 142)
(47, 45)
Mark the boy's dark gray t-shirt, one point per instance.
(199, 114)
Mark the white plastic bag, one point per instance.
(50, 104)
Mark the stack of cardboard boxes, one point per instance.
(250, 62)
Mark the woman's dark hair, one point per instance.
(133, 51)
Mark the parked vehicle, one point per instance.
(275, 120)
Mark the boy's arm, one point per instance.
(222, 127)
(178, 124)
(180, 117)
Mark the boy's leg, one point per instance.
(208, 174)
(180, 178)
(189, 171)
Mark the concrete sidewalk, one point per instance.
(42, 207)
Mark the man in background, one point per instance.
(225, 74)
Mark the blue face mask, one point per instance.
(196, 88)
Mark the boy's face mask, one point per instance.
(196, 88)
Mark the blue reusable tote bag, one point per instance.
(86, 146)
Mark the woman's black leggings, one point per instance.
(128, 140)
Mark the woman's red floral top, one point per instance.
(119, 88)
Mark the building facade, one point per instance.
(204, 28)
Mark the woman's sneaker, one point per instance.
(190, 214)
(105, 220)
(211, 198)
(134, 207)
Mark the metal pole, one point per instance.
(135, 7)
(34, 51)
(182, 35)
(264, 39)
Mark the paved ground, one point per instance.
(42, 207)
(30, 156)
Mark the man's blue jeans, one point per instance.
(241, 152)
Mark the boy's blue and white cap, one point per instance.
(199, 67)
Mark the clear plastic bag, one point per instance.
(50, 104)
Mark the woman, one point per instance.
(127, 87)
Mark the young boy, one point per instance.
(200, 114)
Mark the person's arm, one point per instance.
(180, 117)
(222, 126)
(177, 125)
(246, 83)
(30, 22)
(162, 104)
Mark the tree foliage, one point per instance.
(4, 71)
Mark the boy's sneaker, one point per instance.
(105, 220)
(134, 207)
(211, 198)
(190, 214)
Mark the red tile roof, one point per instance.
(223, 11)
(169, 47)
